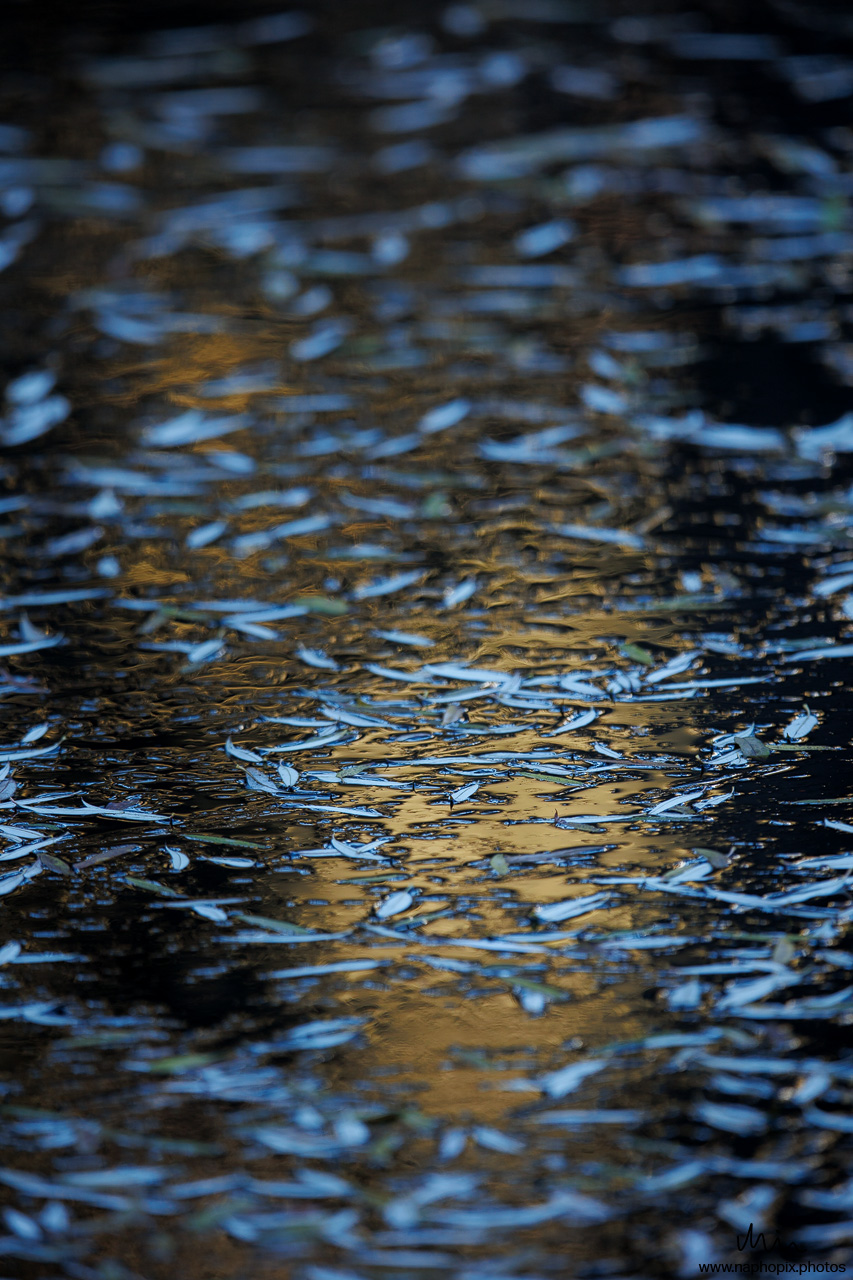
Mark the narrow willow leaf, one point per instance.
(214, 839)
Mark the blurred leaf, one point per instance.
(637, 653)
(267, 922)
(324, 604)
(435, 506)
(179, 1063)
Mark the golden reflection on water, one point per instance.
(467, 1043)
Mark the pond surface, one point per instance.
(427, 606)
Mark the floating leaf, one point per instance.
(208, 838)
(752, 748)
(152, 886)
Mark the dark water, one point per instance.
(427, 616)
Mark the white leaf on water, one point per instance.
(178, 858)
(284, 939)
(815, 655)
(555, 911)
(209, 912)
(353, 811)
(672, 668)
(579, 721)
(675, 802)
(386, 586)
(205, 652)
(686, 996)
(316, 658)
(456, 671)
(459, 594)
(319, 740)
(30, 646)
(558, 1083)
(192, 426)
(30, 387)
(837, 582)
(324, 338)
(258, 781)
(571, 1205)
(11, 882)
(574, 682)
(444, 416)
(837, 1120)
(316, 970)
(21, 1225)
(30, 753)
(21, 833)
(494, 1140)
(452, 1144)
(801, 725)
(322, 1034)
(33, 735)
(589, 533)
(538, 241)
(464, 793)
(394, 904)
(732, 1117)
(205, 534)
(495, 944)
(289, 776)
(405, 637)
(390, 673)
(242, 753)
(27, 422)
(129, 814)
(358, 721)
(361, 851)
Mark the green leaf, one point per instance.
(152, 886)
(206, 838)
(834, 800)
(543, 988)
(411, 918)
(323, 604)
(179, 1063)
(750, 747)
(436, 507)
(267, 922)
(784, 951)
(637, 653)
(683, 604)
(545, 777)
(834, 213)
(102, 1039)
(53, 863)
(376, 879)
(499, 864)
(415, 1119)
